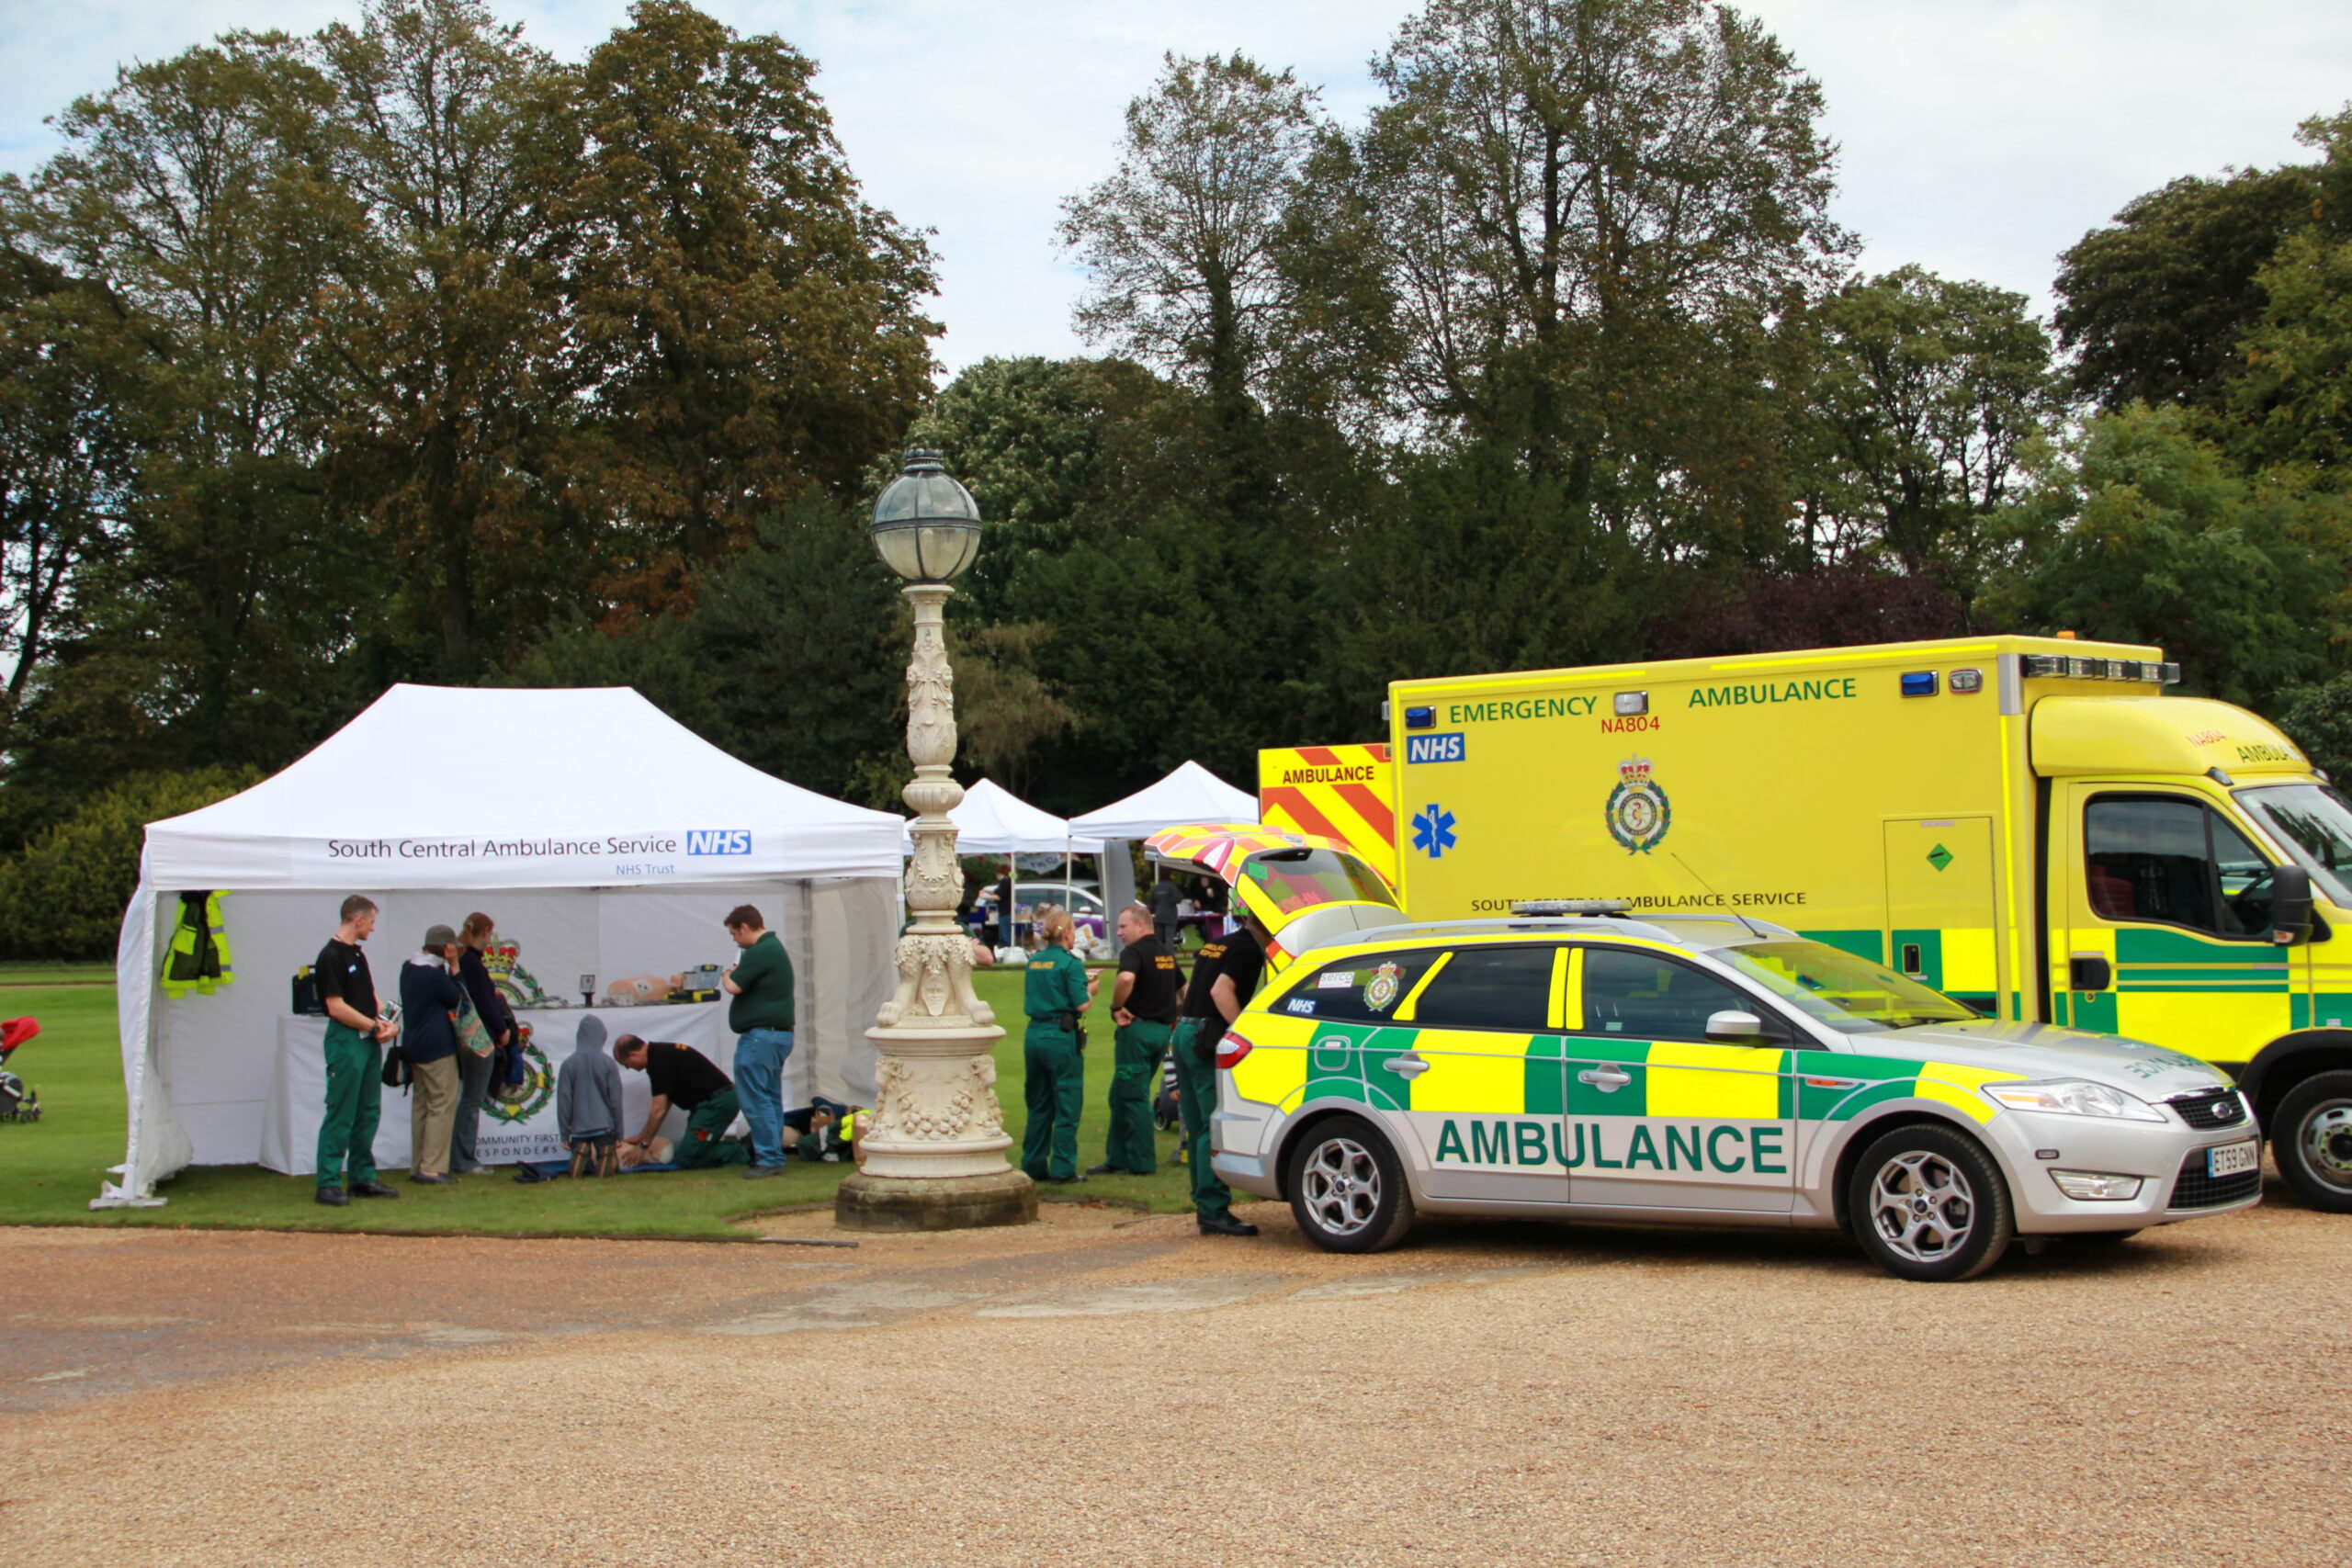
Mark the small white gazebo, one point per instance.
(1191, 794)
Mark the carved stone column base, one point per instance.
(935, 1204)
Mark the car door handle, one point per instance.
(1608, 1081)
(1408, 1066)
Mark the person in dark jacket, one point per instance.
(429, 999)
(474, 939)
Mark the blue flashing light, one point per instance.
(1919, 683)
(1421, 718)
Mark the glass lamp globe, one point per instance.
(926, 526)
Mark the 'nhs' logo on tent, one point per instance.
(1435, 748)
(718, 841)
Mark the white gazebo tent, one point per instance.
(992, 821)
(1191, 794)
(605, 838)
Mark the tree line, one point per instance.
(405, 351)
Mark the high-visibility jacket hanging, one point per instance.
(199, 957)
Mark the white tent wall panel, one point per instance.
(218, 1052)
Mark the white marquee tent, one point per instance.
(992, 821)
(1191, 794)
(612, 844)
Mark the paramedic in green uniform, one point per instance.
(355, 1038)
(1143, 1005)
(1225, 976)
(1058, 991)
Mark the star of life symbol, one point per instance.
(1637, 811)
(1433, 830)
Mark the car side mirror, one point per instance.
(1734, 1027)
(2290, 904)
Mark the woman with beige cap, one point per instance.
(429, 999)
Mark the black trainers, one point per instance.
(333, 1197)
(1108, 1169)
(373, 1189)
(1226, 1225)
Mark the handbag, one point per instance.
(396, 1073)
(472, 1033)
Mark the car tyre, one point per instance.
(1929, 1204)
(1347, 1187)
(2311, 1137)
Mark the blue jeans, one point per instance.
(759, 1055)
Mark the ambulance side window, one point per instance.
(1490, 987)
(1359, 990)
(2167, 860)
(1646, 996)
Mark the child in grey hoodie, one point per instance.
(588, 1101)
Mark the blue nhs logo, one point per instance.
(1434, 748)
(718, 841)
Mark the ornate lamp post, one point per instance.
(934, 1145)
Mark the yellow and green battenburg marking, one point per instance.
(1479, 1074)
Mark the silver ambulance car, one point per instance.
(1573, 1062)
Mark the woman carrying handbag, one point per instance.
(492, 1026)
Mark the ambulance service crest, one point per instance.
(1637, 810)
(1380, 991)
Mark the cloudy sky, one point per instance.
(1981, 137)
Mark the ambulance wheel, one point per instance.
(1347, 1187)
(1928, 1203)
(2311, 1136)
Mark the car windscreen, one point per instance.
(1840, 989)
(1300, 879)
(2314, 825)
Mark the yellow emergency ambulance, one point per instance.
(2029, 825)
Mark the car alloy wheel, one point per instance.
(1922, 1206)
(1340, 1184)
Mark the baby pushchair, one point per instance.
(17, 1101)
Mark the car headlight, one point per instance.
(2097, 1186)
(2072, 1097)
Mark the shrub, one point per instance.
(63, 895)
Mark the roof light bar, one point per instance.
(2058, 666)
(1533, 908)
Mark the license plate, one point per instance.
(2232, 1159)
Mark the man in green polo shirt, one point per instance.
(760, 1014)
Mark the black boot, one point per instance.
(374, 1189)
(1226, 1225)
(333, 1197)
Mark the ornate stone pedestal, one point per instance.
(932, 1150)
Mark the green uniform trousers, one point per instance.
(1055, 1090)
(355, 1104)
(1134, 1070)
(706, 1125)
(1194, 1047)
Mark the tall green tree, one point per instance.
(2141, 532)
(443, 345)
(1928, 393)
(1184, 238)
(1587, 208)
(748, 327)
(75, 415)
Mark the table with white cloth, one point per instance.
(523, 1131)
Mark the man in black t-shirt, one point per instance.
(684, 1077)
(355, 1058)
(1225, 977)
(1143, 1004)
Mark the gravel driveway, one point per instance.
(1097, 1389)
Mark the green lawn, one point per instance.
(50, 1169)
